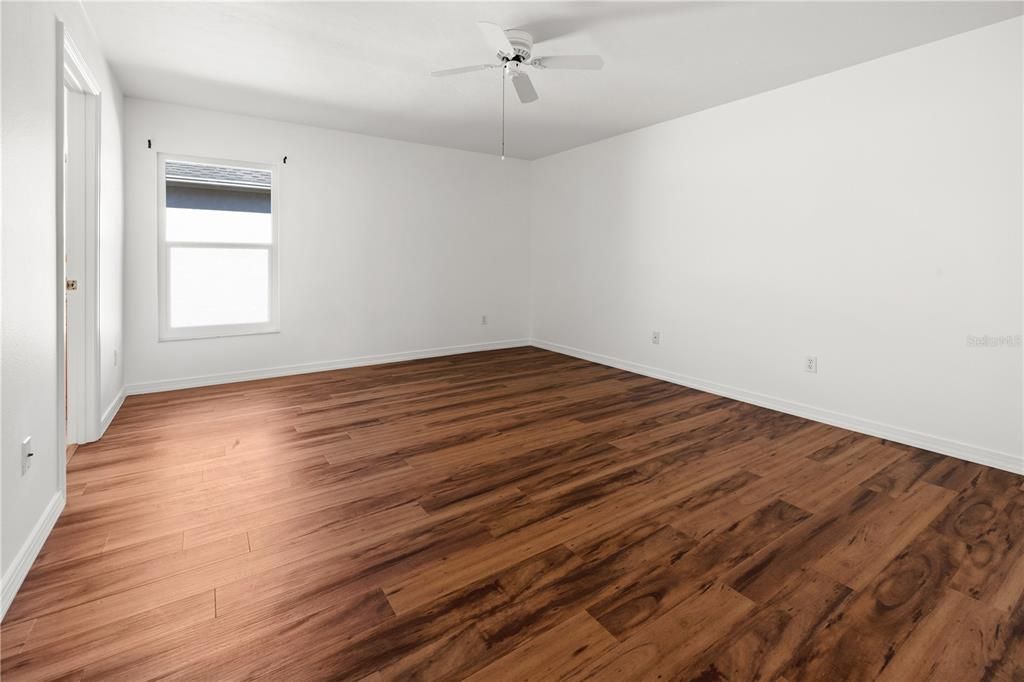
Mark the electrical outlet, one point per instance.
(656, 338)
(26, 455)
(811, 364)
(483, 320)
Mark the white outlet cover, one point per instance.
(811, 364)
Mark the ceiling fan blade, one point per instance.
(463, 69)
(524, 88)
(576, 61)
(496, 38)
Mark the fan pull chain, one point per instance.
(503, 79)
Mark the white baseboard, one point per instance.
(15, 575)
(972, 453)
(111, 412)
(288, 370)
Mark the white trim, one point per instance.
(972, 453)
(25, 557)
(111, 412)
(273, 324)
(61, 387)
(76, 69)
(306, 368)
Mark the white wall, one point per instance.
(385, 247)
(870, 217)
(30, 393)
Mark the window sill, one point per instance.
(198, 333)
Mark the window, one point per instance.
(218, 248)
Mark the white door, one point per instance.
(74, 261)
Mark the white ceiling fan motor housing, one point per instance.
(522, 43)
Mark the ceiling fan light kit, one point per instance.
(514, 52)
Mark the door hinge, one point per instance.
(71, 285)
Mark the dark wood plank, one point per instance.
(765, 644)
(764, 573)
(668, 645)
(859, 641)
(641, 602)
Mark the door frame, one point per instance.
(74, 73)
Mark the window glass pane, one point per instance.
(217, 197)
(211, 286)
(199, 225)
(216, 203)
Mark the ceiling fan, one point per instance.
(514, 52)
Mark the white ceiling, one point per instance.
(364, 67)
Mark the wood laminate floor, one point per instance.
(515, 515)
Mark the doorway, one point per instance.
(78, 248)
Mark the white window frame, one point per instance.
(169, 333)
